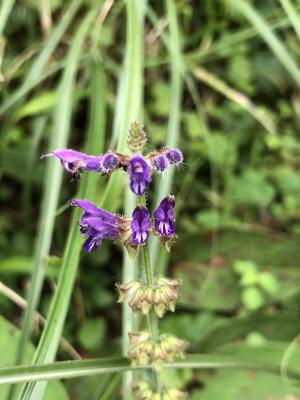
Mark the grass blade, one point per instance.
(43, 57)
(236, 96)
(292, 14)
(49, 341)
(5, 10)
(76, 369)
(270, 38)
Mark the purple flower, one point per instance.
(161, 163)
(174, 156)
(97, 224)
(140, 225)
(164, 216)
(140, 174)
(109, 163)
(75, 161)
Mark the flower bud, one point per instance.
(137, 137)
(161, 163)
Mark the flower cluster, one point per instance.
(162, 296)
(144, 351)
(144, 391)
(159, 294)
(138, 167)
(98, 224)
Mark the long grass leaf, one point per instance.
(43, 57)
(269, 37)
(5, 10)
(292, 14)
(236, 96)
(76, 369)
(49, 341)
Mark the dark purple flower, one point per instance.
(109, 163)
(174, 156)
(164, 216)
(140, 225)
(97, 224)
(161, 163)
(140, 174)
(75, 161)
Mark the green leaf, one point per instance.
(252, 298)
(41, 60)
(269, 36)
(278, 326)
(92, 333)
(268, 282)
(9, 338)
(252, 188)
(211, 288)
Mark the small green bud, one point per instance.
(160, 310)
(145, 307)
(137, 137)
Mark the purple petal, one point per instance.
(161, 163)
(66, 155)
(109, 163)
(175, 156)
(140, 225)
(140, 174)
(93, 163)
(74, 161)
(164, 216)
(92, 244)
(107, 229)
(91, 209)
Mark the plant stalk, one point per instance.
(152, 320)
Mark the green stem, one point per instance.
(152, 320)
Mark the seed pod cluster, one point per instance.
(143, 391)
(144, 351)
(162, 296)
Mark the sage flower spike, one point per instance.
(98, 224)
(140, 174)
(164, 216)
(140, 225)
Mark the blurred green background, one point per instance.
(220, 80)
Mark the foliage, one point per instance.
(221, 79)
